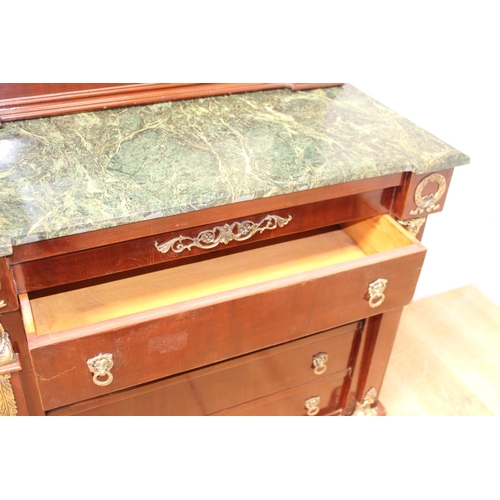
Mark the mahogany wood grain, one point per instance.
(292, 401)
(32, 91)
(19, 101)
(8, 296)
(227, 384)
(375, 347)
(346, 403)
(380, 334)
(172, 339)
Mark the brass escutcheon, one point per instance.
(376, 292)
(319, 363)
(312, 406)
(101, 366)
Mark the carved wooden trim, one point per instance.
(8, 406)
(22, 102)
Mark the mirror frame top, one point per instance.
(24, 101)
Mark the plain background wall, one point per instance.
(463, 241)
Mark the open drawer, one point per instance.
(170, 321)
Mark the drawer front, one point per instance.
(313, 399)
(208, 390)
(169, 340)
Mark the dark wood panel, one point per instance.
(381, 332)
(19, 101)
(377, 342)
(230, 383)
(8, 296)
(292, 402)
(173, 339)
(13, 324)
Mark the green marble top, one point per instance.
(77, 173)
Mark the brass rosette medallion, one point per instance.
(428, 203)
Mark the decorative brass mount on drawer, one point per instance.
(413, 225)
(210, 238)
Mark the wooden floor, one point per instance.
(446, 358)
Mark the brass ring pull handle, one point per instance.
(101, 366)
(376, 292)
(312, 406)
(319, 363)
(108, 380)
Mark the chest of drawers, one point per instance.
(235, 255)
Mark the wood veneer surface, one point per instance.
(105, 301)
(446, 358)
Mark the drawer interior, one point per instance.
(228, 271)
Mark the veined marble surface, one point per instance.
(76, 173)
